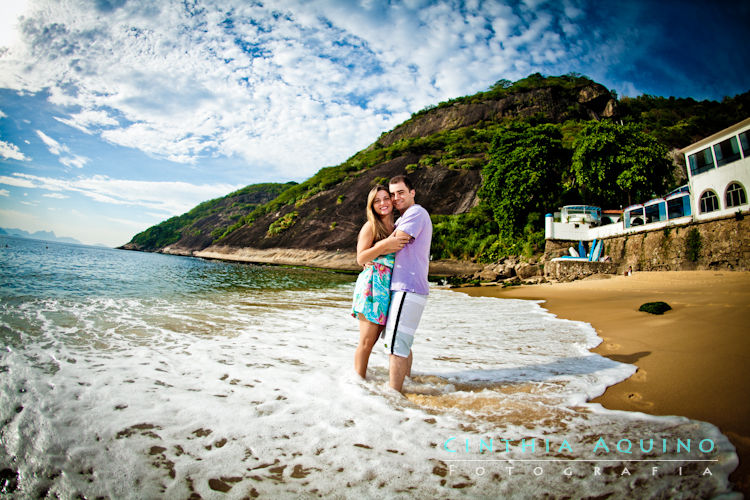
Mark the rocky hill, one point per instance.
(550, 103)
(443, 149)
(198, 228)
(325, 213)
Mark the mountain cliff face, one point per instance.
(442, 149)
(587, 101)
(331, 220)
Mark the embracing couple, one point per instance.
(392, 290)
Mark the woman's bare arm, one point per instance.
(367, 251)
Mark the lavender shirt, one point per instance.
(413, 261)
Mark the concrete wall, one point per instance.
(724, 244)
(584, 232)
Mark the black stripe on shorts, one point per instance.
(398, 317)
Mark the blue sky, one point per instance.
(117, 114)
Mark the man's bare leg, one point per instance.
(408, 367)
(397, 371)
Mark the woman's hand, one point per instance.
(395, 242)
(366, 251)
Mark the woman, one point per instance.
(376, 246)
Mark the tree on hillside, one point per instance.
(678, 122)
(619, 164)
(523, 174)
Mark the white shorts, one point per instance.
(403, 318)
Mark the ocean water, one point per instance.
(131, 375)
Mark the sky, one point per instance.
(118, 114)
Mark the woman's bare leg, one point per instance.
(368, 335)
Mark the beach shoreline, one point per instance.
(690, 360)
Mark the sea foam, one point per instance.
(253, 393)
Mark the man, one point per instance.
(409, 287)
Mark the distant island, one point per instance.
(39, 235)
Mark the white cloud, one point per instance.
(11, 10)
(16, 181)
(11, 152)
(86, 120)
(54, 147)
(288, 85)
(74, 161)
(66, 157)
(169, 197)
(130, 224)
(4, 192)
(56, 196)
(293, 86)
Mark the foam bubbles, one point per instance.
(249, 393)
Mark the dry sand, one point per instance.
(692, 361)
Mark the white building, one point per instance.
(718, 177)
(719, 172)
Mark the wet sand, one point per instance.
(692, 361)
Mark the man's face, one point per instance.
(402, 197)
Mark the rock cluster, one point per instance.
(509, 271)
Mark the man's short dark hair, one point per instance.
(404, 179)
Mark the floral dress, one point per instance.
(372, 293)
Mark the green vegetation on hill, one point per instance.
(531, 171)
(523, 176)
(464, 236)
(172, 229)
(616, 164)
(679, 122)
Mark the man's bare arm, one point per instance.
(367, 251)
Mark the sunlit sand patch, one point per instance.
(640, 375)
(496, 403)
(423, 383)
(636, 399)
(493, 408)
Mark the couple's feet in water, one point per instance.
(386, 386)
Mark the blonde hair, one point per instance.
(379, 229)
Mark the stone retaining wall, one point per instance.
(715, 244)
(568, 271)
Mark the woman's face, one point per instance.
(382, 203)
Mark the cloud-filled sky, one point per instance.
(117, 114)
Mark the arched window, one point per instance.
(709, 202)
(735, 195)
